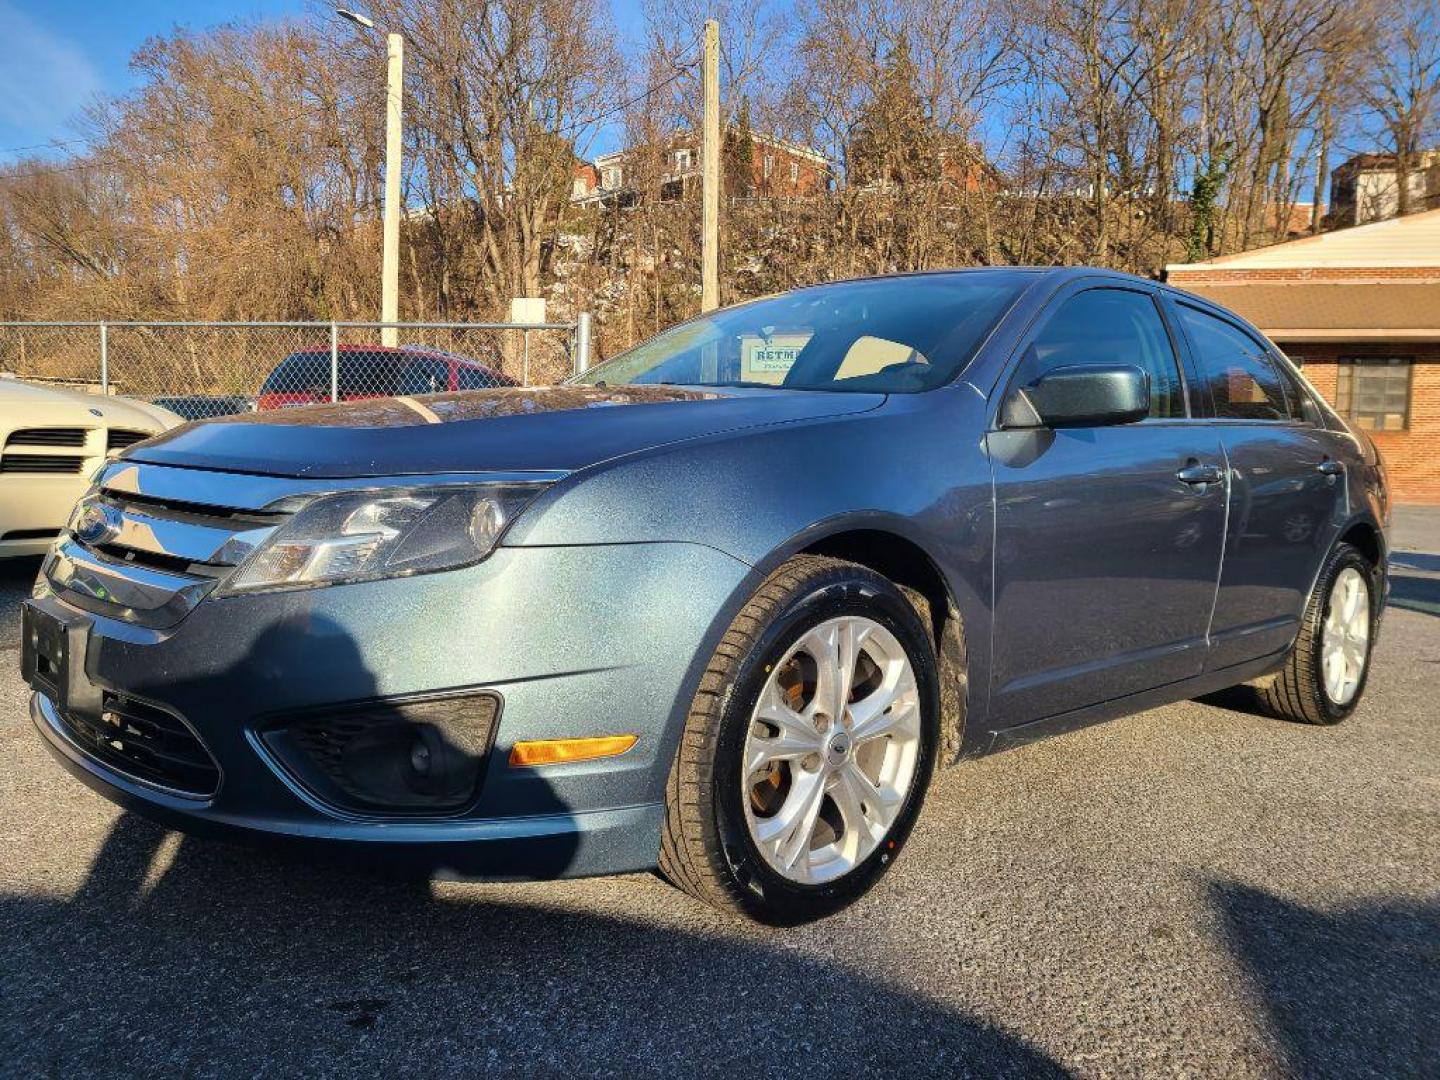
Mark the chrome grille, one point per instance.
(179, 537)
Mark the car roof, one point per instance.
(392, 353)
(1053, 274)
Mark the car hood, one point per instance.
(55, 406)
(510, 429)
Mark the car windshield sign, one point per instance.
(887, 335)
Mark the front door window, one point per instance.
(1110, 326)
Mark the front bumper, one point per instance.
(577, 641)
(531, 848)
(33, 509)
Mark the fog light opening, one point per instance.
(402, 755)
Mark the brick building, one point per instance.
(779, 169)
(1359, 310)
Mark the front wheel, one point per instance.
(808, 748)
(1324, 674)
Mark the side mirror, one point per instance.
(1080, 395)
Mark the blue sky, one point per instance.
(62, 54)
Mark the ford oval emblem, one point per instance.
(96, 412)
(99, 524)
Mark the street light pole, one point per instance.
(394, 99)
(390, 261)
(710, 171)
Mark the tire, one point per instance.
(716, 807)
(1298, 692)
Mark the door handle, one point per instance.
(1330, 467)
(1199, 474)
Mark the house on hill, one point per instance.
(779, 169)
(1366, 188)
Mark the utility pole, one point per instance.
(394, 96)
(390, 261)
(710, 172)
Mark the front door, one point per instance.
(1107, 539)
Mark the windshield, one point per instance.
(884, 335)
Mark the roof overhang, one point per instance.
(1332, 311)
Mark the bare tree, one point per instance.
(1402, 91)
(499, 95)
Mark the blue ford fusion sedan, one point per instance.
(724, 603)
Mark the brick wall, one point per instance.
(1412, 457)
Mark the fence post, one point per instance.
(104, 358)
(334, 362)
(582, 343)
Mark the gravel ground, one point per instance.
(1191, 890)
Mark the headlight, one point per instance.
(363, 535)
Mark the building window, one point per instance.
(610, 178)
(794, 172)
(682, 160)
(1374, 391)
(767, 167)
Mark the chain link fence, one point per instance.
(214, 369)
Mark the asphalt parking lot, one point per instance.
(1191, 890)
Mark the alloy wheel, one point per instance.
(831, 750)
(1345, 642)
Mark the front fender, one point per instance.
(914, 468)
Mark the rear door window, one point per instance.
(1243, 381)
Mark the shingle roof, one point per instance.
(1319, 311)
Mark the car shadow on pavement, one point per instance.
(1352, 992)
(180, 955)
(237, 961)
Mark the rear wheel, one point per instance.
(808, 748)
(1324, 675)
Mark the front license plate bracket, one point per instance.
(52, 657)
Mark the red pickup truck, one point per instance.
(369, 371)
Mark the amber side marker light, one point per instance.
(556, 751)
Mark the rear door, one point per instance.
(1286, 487)
(1106, 556)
